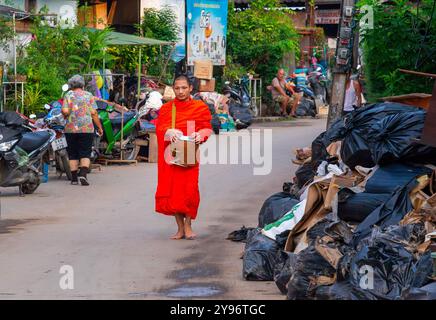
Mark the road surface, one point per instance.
(119, 248)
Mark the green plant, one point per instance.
(94, 51)
(403, 37)
(162, 25)
(33, 99)
(57, 53)
(6, 33)
(258, 38)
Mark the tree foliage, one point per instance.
(6, 33)
(160, 24)
(403, 37)
(259, 37)
(56, 54)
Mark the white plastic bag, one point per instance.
(287, 222)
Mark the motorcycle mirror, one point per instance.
(65, 88)
(47, 107)
(32, 116)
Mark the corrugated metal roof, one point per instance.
(8, 11)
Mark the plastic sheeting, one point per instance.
(260, 257)
(275, 207)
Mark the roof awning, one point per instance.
(6, 11)
(124, 39)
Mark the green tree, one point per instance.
(57, 53)
(403, 37)
(6, 33)
(259, 37)
(162, 25)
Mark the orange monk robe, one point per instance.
(177, 188)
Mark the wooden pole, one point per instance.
(423, 74)
(138, 94)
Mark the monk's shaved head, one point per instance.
(182, 77)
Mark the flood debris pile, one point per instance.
(359, 219)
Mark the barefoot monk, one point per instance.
(177, 191)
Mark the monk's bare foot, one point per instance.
(178, 236)
(189, 234)
(192, 236)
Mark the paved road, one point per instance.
(118, 246)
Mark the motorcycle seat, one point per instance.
(116, 120)
(31, 141)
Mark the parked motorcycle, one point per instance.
(241, 107)
(21, 152)
(318, 83)
(239, 94)
(56, 121)
(110, 143)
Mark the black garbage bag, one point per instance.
(307, 270)
(275, 207)
(385, 267)
(390, 177)
(239, 235)
(427, 292)
(355, 150)
(355, 207)
(339, 231)
(319, 151)
(306, 107)
(304, 174)
(215, 122)
(354, 130)
(284, 270)
(282, 238)
(337, 291)
(389, 213)
(260, 257)
(241, 115)
(394, 138)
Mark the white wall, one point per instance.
(66, 10)
(22, 40)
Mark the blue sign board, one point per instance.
(207, 30)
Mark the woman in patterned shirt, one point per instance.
(80, 109)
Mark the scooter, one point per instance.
(238, 93)
(21, 152)
(110, 142)
(56, 121)
(318, 83)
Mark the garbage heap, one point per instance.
(359, 220)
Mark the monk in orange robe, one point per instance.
(177, 191)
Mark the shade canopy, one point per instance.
(124, 39)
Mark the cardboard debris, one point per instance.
(331, 255)
(432, 201)
(303, 153)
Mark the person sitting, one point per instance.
(278, 91)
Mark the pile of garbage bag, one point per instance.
(359, 221)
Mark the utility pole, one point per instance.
(1, 85)
(344, 60)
